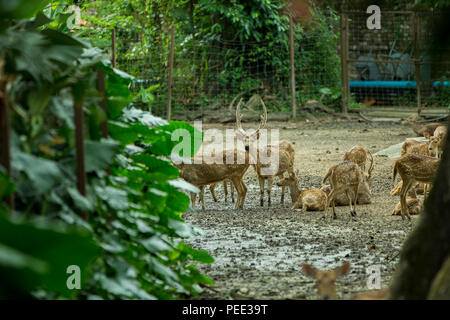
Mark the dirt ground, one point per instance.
(259, 251)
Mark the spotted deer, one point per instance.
(416, 189)
(364, 195)
(346, 178)
(413, 168)
(308, 200)
(414, 205)
(358, 155)
(284, 150)
(206, 173)
(212, 187)
(421, 129)
(326, 279)
(437, 141)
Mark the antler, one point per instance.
(238, 115)
(369, 172)
(263, 117)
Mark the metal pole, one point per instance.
(344, 63)
(292, 56)
(169, 83)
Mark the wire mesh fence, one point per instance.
(209, 74)
(392, 66)
(386, 67)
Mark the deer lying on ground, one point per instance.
(413, 205)
(437, 141)
(421, 129)
(203, 174)
(308, 200)
(284, 149)
(326, 279)
(413, 168)
(416, 189)
(413, 146)
(358, 155)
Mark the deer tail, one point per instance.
(330, 171)
(394, 172)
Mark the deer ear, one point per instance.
(426, 135)
(441, 134)
(309, 270)
(343, 270)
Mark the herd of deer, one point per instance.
(349, 184)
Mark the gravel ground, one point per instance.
(258, 251)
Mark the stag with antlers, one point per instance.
(283, 153)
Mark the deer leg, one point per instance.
(225, 190)
(350, 200)
(403, 192)
(193, 199)
(202, 197)
(213, 192)
(282, 189)
(244, 189)
(232, 191)
(261, 190)
(330, 198)
(355, 198)
(239, 190)
(269, 189)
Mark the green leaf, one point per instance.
(55, 249)
(43, 174)
(100, 155)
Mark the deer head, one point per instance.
(368, 176)
(249, 138)
(326, 279)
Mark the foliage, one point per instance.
(222, 48)
(134, 197)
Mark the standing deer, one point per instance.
(344, 177)
(201, 174)
(326, 279)
(213, 193)
(437, 141)
(413, 168)
(308, 200)
(284, 149)
(358, 155)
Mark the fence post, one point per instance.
(291, 49)
(113, 47)
(169, 82)
(416, 26)
(5, 131)
(79, 144)
(344, 63)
